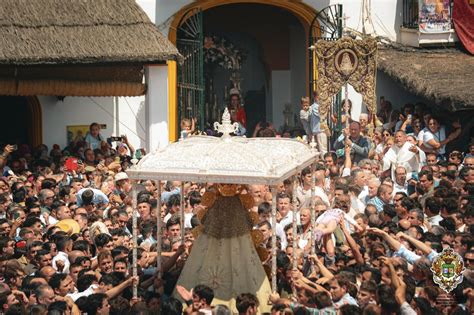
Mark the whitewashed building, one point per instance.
(271, 36)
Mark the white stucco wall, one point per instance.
(57, 115)
(149, 6)
(156, 101)
(164, 10)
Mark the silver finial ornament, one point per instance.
(226, 128)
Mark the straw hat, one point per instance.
(69, 226)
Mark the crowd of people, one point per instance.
(387, 202)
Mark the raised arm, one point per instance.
(115, 291)
(172, 260)
(347, 157)
(392, 242)
(322, 268)
(418, 244)
(351, 242)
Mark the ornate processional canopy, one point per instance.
(232, 160)
(344, 61)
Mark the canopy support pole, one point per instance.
(313, 214)
(181, 209)
(158, 229)
(295, 227)
(346, 105)
(274, 239)
(134, 235)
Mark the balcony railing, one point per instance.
(411, 11)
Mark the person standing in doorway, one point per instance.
(315, 122)
(237, 112)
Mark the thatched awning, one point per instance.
(72, 80)
(77, 47)
(444, 76)
(79, 32)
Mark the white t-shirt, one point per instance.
(89, 291)
(187, 220)
(64, 258)
(304, 196)
(438, 136)
(420, 135)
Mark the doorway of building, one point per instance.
(21, 122)
(271, 75)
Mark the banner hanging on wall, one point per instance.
(344, 61)
(434, 16)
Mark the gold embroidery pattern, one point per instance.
(208, 199)
(257, 237)
(227, 218)
(254, 217)
(346, 61)
(247, 201)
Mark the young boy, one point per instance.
(187, 127)
(305, 116)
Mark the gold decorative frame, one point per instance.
(346, 61)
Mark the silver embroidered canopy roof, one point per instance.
(227, 159)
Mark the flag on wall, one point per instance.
(463, 15)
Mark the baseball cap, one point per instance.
(121, 176)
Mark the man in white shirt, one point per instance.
(284, 207)
(265, 214)
(432, 209)
(61, 262)
(402, 153)
(304, 196)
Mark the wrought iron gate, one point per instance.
(327, 25)
(190, 40)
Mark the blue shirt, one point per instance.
(94, 142)
(377, 202)
(99, 196)
(315, 119)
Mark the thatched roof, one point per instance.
(79, 32)
(445, 76)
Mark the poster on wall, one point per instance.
(434, 16)
(76, 133)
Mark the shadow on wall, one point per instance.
(140, 124)
(394, 92)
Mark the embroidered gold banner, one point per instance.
(346, 61)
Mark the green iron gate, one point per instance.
(190, 40)
(327, 25)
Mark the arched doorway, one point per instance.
(302, 11)
(267, 26)
(22, 123)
